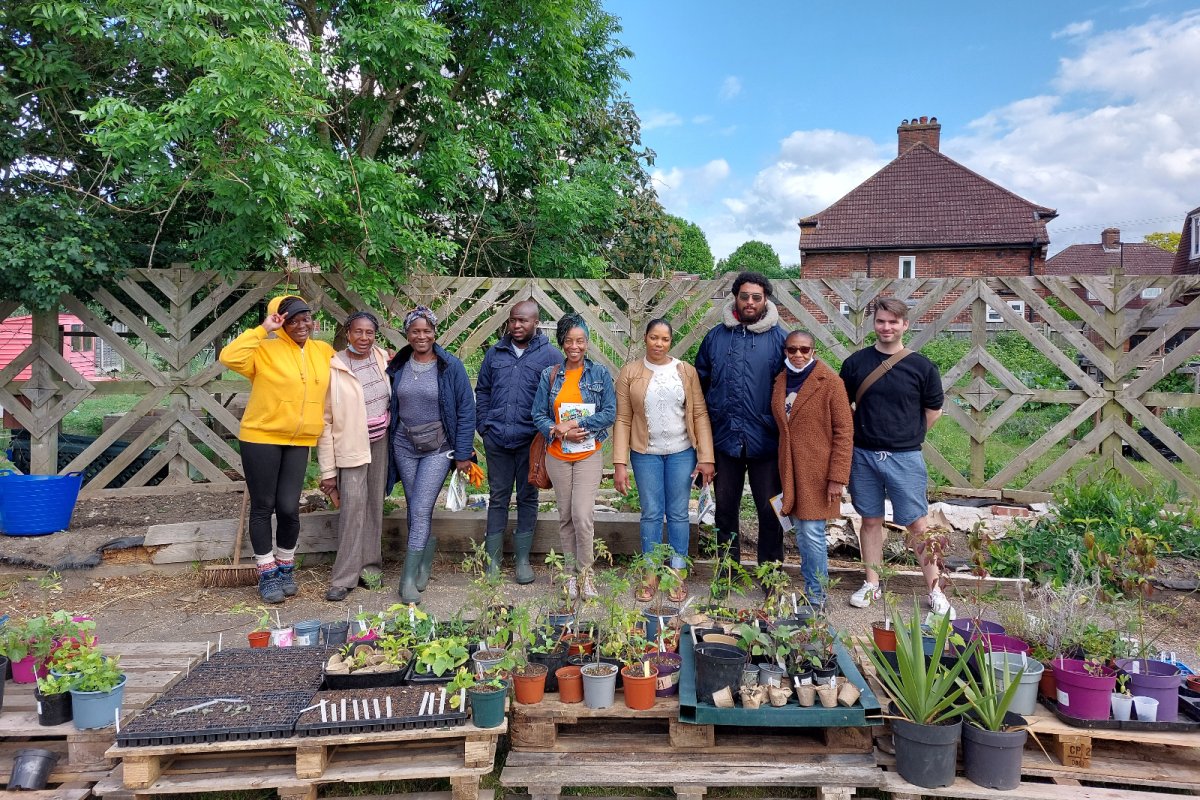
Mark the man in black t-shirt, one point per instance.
(890, 422)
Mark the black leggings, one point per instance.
(274, 477)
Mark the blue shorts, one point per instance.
(902, 477)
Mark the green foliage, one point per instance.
(752, 256)
(54, 684)
(1167, 240)
(441, 655)
(989, 700)
(924, 691)
(695, 256)
(1098, 513)
(95, 672)
(367, 138)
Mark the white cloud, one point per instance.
(731, 87)
(702, 119)
(681, 191)
(660, 119)
(1073, 30)
(1113, 144)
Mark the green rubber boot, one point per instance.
(425, 568)
(494, 543)
(409, 593)
(522, 543)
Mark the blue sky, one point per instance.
(763, 112)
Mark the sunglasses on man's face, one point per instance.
(798, 349)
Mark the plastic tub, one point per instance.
(34, 505)
(717, 666)
(307, 633)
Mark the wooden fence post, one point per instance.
(41, 390)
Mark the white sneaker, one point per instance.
(589, 588)
(572, 588)
(868, 594)
(939, 605)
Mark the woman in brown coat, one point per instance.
(816, 445)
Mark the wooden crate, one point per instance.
(298, 765)
(556, 744)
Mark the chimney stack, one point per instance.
(915, 131)
(1110, 239)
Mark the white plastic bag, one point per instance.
(456, 495)
(705, 507)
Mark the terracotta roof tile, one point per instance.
(1092, 259)
(925, 199)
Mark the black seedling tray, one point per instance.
(1179, 726)
(414, 678)
(244, 671)
(406, 702)
(254, 716)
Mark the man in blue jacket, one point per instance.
(504, 393)
(738, 361)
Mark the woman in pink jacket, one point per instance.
(352, 453)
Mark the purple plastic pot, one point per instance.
(1080, 693)
(1001, 643)
(968, 627)
(668, 665)
(1157, 679)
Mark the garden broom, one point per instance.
(235, 574)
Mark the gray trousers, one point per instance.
(360, 524)
(575, 486)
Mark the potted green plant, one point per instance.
(53, 696)
(439, 656)
(561, 607)
(774, 645)
(927, 700)
(28, 645)
(729, 578)
(487, 697)
(881, 630)
(993, 737)
(98, 689)
(528, 676)
(660, 581)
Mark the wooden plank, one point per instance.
(963, 788)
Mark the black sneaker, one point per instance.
(270, 588)
(287, 581)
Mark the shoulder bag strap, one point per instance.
(879, 372)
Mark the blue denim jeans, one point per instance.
(664, 487)
(814, 555)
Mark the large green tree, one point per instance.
(753, 256)
(1167, 240)
(695, 256)
(366, 136)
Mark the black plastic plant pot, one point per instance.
(926, 754)
(53, 709)
(717, 666)
(553, 660)
(992, 759)
(334, 633)
(31, 769)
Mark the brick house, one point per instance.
(924, 215)
(1111, 254)
(1187, 257)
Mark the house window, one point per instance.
(908, 267)
(1151, 292)
(844, 309)
(80, 344)
(994, 316)
(1195, 221)
(1091, 296)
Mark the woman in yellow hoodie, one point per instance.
(289, 376)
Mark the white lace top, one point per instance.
(664, 410)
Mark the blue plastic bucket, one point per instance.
(32, 505)
(307, 633)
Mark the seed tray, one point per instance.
(261, 716)
(405, 701)
(414, 678)
(247, 671)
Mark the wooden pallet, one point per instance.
(1065, 789)
(151, 667)
(556, 745)
(552, 725)
(297, 766)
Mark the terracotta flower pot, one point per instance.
(885, 638)
(259, 638)
(1048, 686)
(639, 687)
(1193, 683)
(570, 684)
(530, 686)
(579, 644)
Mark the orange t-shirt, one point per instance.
(569, 393)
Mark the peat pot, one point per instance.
(993, 758)
(926, 754)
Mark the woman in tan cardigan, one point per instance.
(816, 445)
(663, 432)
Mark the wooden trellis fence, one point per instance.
(172, 321)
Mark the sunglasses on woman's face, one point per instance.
(798, 349)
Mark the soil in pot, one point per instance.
(668, 665)
(570, 684)
(97, 709)
(53, 709)
(579, 644)
(487, 706)
(529, 683)
(926, 754)
(486, 660)
(553, 660)
(639, 687)
(992, 759)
